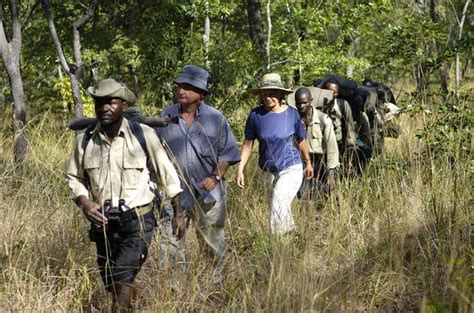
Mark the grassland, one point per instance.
(396, 239)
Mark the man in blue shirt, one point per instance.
(203, 148)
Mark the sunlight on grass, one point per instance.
(395, 239)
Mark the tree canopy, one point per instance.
(146, 43)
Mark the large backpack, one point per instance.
(347, 87)
(321, 97)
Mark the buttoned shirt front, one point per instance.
(322, 139)
(198, 148)
(117, 169)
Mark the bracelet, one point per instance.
(307, 160)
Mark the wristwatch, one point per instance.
(217, 177)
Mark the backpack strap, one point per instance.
(342, 108)
(85, 141)
(87, 136)
(137, 131)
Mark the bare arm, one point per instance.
(244, 157)
(303, 146)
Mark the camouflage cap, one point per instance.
(111, 88)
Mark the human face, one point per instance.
(303, 103)
(188, 94)
(271, 97)
(109, 110)
(334, 88)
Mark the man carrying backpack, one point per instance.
(109, 174)
(322, 144)
(340, 113)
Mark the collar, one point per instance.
(122, 130)
(200, 107)
(314, 117)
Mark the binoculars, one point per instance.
(114, 213)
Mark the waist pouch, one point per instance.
(126, 224)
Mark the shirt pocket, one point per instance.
(93, 172)
(316, 140)
(208, 148)
(133, 169)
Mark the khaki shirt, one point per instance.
(334, 112)
(117, 169)
(322, 139)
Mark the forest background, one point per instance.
(396, 239)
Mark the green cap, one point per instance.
(111, 88)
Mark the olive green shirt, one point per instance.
(117, 169)
(322, 139)
(338, 118)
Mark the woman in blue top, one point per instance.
(277, 127)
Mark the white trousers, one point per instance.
(283, 189)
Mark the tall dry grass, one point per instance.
(396, 239)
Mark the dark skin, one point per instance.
(109, 113)
(333, 87)
(190, 97)
(303, 100)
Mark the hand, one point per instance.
(179, 224)
(331, 180)
(240, 179)
(309, 170)
(208, 183)
(174, 119)
(92, 212)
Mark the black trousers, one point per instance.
(123, 248)
(316, 185)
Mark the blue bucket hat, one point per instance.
(195, 76)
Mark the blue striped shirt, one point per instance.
(197, 149)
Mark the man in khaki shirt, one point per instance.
(110, 175)
(322, 144)
(340, 113)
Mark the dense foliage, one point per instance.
(145, 43)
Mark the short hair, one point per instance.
(302, 91)
(331, 80)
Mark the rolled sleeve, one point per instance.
(332, 151)
(164, 169)
(228, 148)
(75, 179)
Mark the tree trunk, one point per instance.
(269, 33)
(458, 62)
(350, 55)
(443, 73)
(10, 52)
(206, 35)
(255, 25)
(75, 71)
